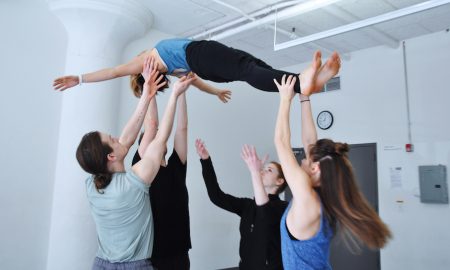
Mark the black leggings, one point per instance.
(216, 62)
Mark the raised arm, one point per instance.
(148, 167)
(297, 179)
(180, 138)
(151, 85)
(130, 68)
(255, 166)
(151, 123)
(216, 195)
(303, 217)
(223, 95)
(309, 132)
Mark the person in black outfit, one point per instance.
(260, 245)
(169, 195)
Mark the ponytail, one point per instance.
(345, 206)
(92, 157)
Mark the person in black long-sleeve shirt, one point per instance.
(260, 245)
(169, 195)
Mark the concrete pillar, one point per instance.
(98, 31)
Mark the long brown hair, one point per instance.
(280, 175)
(343, 202)
(92, 157)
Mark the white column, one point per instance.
(98, 31)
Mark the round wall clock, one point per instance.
(324, 120)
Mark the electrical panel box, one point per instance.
(433, 184)
(299, 154)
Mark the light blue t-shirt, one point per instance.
(311, 254)
(123, 218)
(173, 54)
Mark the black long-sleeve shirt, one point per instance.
(260, 245)
(170, 207)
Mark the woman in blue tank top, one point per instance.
(210, 60)
(324, 189)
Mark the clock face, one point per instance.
(324, 120)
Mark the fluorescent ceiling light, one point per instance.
(284, 14)
(363, 23)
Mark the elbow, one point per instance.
(214, 196)
(282, 143)
(182, 129)
(279, 140)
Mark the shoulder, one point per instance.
(135, 181)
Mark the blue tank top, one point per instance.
(173, 53)
(311, 254)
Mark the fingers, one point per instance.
(191, 79)
(266, 157)
(161, 85)
(291, 81)
(249, 152)
(160, 77)
(146, 65)
(276, 83)
(152, 64)
(201, 149)
(244, 152)
(198, 146)
(225, 96)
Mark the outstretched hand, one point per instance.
(286, 86)
(153, 80)
(180, 86)
(62, 83)
(249, 155)
(224, 95)
(201, 149)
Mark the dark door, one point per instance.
(364, 161)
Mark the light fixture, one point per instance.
(284, 14)
(363, 23)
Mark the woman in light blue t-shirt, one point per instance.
(119, 199)
(209, 59)
(325, 193)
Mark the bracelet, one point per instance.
(80, 79)
(304, 100)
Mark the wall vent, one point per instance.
(332, 84)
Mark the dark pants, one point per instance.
(216, 62)
(180, 262)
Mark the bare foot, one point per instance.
(308, 77)
(328, 70)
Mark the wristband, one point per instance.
(80, 79)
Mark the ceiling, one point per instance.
(188, 18)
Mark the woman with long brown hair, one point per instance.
(324, 189)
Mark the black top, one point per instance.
(260, 245)
(169, 200)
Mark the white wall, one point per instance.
(32, 52)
